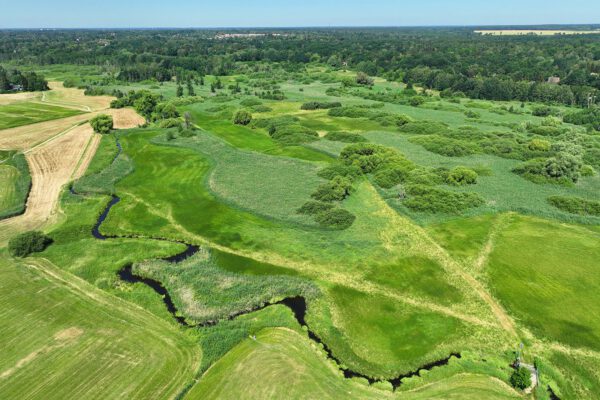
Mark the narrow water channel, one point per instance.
(296, 304)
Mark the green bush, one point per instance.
(563, 168)
(29, 242)
(423, 198)
(390, 177)
(576, 205)
(416, 101)
(336, 218)
(242, 117)
(460, 176)
(318, 105)
(539, 145)
(314, 207)
(102, 123)
(251, 102)
(446, 146)
(472, 114)
(336, 189)
(521, 378)
(424, 128)
(345, 137)
(349, 171)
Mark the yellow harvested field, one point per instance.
(75, 98)
(28, 136)
(10, 98)
(539, 32)
(51, 166)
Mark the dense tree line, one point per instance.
(456, 60)
(23, 81)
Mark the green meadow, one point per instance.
(25, 113)
(432, 280)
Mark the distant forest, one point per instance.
(563, 69)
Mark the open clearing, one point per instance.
(62, 338)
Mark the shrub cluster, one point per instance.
(318, 105)
(287, 130)
(446, 146)
(345, 137)
(424, 198)
(521, 378)
(29, 242)
(460, 176)
(242, 117)
(328, 215)
(588, 117)
(563, 168)
(369, 112)
(576, 205)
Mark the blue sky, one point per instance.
(270, 13)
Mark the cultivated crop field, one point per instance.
(295, 232)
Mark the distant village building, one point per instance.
(16, 88)
(554, 80)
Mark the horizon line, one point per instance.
(595, 24)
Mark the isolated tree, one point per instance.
(242, 117)
(179, 90)
(190, 89)
(201, 81)
(102, 123)
(364, 79)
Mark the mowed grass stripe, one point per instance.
(25, 113)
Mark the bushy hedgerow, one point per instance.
(294, 134)
(390, 177)
(251, 102)
(242, 117)
(319, 105)
(424, 128)
(371, 112)
(336, 218)
(589, 117)
(563, 168)
(460, 176)
(576, 205)
(544, 111)
(337, 189)
(345, 137)
(29, 242)
(428, 199)
(539, 145)
(348, 171)
(446, 146)
(373, 157)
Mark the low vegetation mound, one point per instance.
(345, 137)
(428, 199)
(27, 243)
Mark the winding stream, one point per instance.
(296, 304)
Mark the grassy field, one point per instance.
(547, 276)
(15, 182)
(292, 368)
(61, 336)
(25, 113)
(395, 291)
